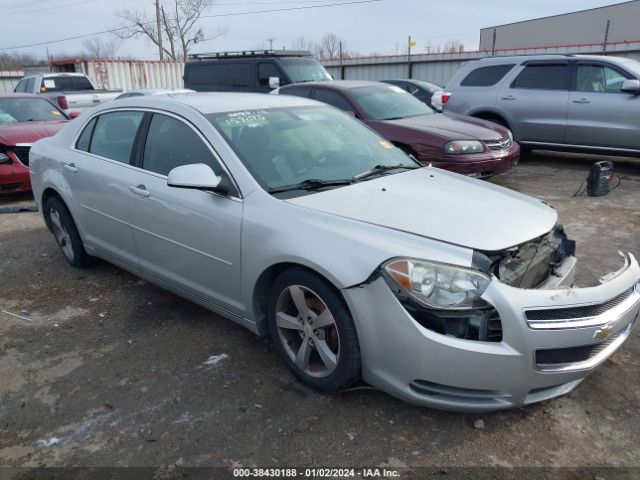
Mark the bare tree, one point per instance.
(301, 43)
(179, 30)
(453, 46)
(99, 48)
(17, 61)
(329, 47)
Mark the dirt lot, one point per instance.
(108, 370)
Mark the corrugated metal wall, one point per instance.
(131, 75)
(439, 68)
(9, 79)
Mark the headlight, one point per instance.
(4, 158)
(463, 147)
(437, 285)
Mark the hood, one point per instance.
(440, 205)
(28, 132)
(453, 126)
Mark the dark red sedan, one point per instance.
(454, 142)
(23, 120)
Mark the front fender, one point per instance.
(346, 252)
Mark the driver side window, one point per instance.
(172, 143)
(599, 79)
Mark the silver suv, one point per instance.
(560, 102)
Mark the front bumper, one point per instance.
(482, 165)
(430, 369)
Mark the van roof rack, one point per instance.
(250, 54)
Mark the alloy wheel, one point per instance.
(307, 331)
(61, 234)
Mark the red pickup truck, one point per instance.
(24, 119)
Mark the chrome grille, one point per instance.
(572, 313)
(502, 144)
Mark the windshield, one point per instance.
(304, 70)
(13, 110)
(388, 102)
(286, 146)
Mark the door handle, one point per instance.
(509, 97)
(582, 100)
(140, 190)
(70, 167)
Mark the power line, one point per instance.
(50, 8)
(114, 30)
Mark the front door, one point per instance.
(600, 114)
(187, 238)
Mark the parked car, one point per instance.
(23, 120)
(153, 91)
(71, 92)
(423, 91)
(251, 71)
(561, 102)
(454, 142)
(296, 220)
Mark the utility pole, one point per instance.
(270, 40)
(159, 30)
(409, 44)
(606, 37)
(341, 63)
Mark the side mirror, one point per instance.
(73, 115)
(197, 176)
(631, 86)
(274, 82)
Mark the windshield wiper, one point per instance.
(310, 184)
(380, 169)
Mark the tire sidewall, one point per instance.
(80, 257)
(347, 370)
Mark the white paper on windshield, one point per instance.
(50, 83)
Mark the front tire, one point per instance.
(61, 224)
(313, 331)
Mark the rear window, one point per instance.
(486, 76)
(225, 74)
(114, 135)
(543, 77)
(58, 84)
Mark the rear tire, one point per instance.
(61, 224)
(313, 331)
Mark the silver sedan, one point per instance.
(297, 221)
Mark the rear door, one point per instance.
(600, 114)
(535, 98)
(185, 237)
(99, 174)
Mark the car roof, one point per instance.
(62, 74)
(217, 102)
(336, 84)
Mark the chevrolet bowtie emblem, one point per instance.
(603, 333)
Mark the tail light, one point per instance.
(62, 101)
(445, 97)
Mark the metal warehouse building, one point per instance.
(612, 24)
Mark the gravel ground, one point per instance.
(108, 370)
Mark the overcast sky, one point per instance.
(382, 26)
